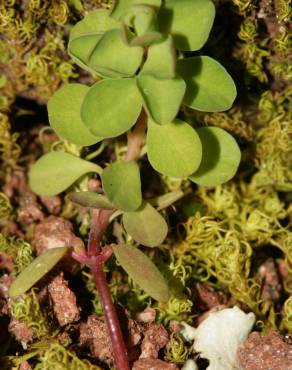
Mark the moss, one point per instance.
(176, 352)
(287, 320)
(20, 251)
(9, 148)
(59, 358)
(5, 206)
(26, 309)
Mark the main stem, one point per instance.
(99, 224)
(94, 255)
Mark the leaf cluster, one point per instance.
(137, 49)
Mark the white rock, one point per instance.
(190, 365)
(218, 337)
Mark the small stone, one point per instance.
(208, 298)
(21, 332)
(55, 232)
(29, 210)
(53, 204)
(94, 334)
(270, 352)
(155, 338)
(147, 316)
(152, 364)
(64, 301)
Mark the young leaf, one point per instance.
(162, 98)
(189, 22)
(147, 39)
(85, 35)
(173, 149)
(145, 19)
(113, 58)
(161, 60)
(122, 185)
(36, 270)
(64, 115)
(111, 107)
(122, 7)
(143, 271)
(56, 171)
(80, 48)
(166, 200)
(209, 86)
(146, 225)
(221, 157)
(91, 199)
(97, 21)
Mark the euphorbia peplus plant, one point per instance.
(137, 49)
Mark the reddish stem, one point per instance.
(95, 255)
(136, 137)
(94, 258)
(111, 318)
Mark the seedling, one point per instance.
(137, 51)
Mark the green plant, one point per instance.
(137, 48)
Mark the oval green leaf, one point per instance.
(121, 8)
(209, 86)
(56, 171)
(97, 21)
(166, 200)
(36, 270)
(146, 225)
(145, 19)
(80, 48)
(189, 22)
(111, 107)
(85, 34)
(173, 149)
(162, 98)
(112, 58)
(221, 157)
(64, 115)
(161, 60)
(143, 271)
(122, 185)
(91, 199)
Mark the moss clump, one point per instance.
(59, 358)
(20, 251)
(5, 206)
(26, 309)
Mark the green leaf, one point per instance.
(166, 200)
(95, 22)
(85, 35)
(146, 225)
(111, 107)
(122, 185)
(143, 271)
(91, 199)
(173, 149)
(64, 115)
(36, 270)
(80, 48)
(145, 19)
(113, 58)
(189, 22)
(161, 60)
(122, 7)
(209, 86)
(162, 98)
(146, 39)
(56, 171)
(221, 157)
